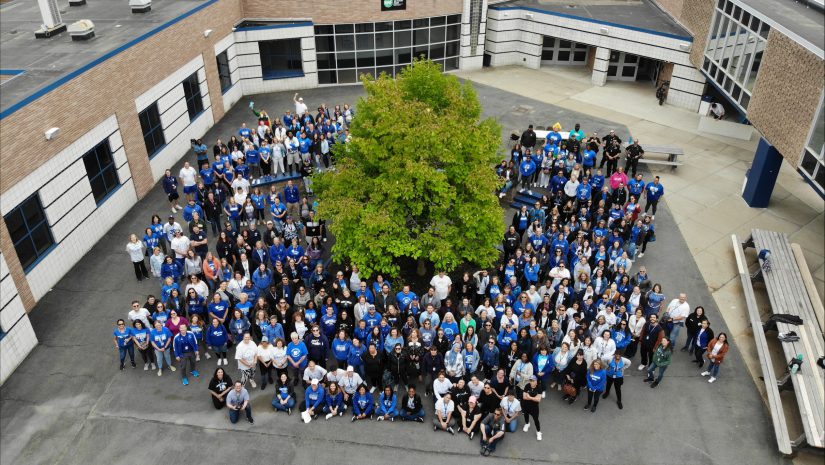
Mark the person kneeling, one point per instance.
(363, 405)
(444, 408)
(387, 405)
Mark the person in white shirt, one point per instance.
(511, 408)
(241, 183)
(441, 385)
(443, 419)
(170, 227)
(180, 244)
(139, 313)
(443, 286)
(300, 106)
(266, 357)
(605, 347)
(246, 353)
(349, 383)
(313, 371)
(558, 273)
(188, 177)
(679, 309)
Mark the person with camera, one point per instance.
(237, 400)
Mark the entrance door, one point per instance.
(556, 51)
(622, 67)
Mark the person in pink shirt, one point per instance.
(617, 178)
(175, 321)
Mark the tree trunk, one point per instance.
(422, 267)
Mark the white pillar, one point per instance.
(600, 64)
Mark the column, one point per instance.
(599, 77)
(761, 178)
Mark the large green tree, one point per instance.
(417, 179)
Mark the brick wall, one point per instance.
(81, 104)
(342, 11)
(786, 95)
(696, 17)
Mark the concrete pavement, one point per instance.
(68, 403)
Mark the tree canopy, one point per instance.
(417, 179)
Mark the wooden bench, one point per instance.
(788, 295)
(780, 425)
(672, 154)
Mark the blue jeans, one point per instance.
(674, 333)
(411, 416)
(714, 369)
(160, 356)
(652, 368)
(277, 405)
(130, 349)
(234, 415)
(511, 426)
(490, 447)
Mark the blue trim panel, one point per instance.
(12, 72)
(591, 20)
(54, 85)
(274, 26)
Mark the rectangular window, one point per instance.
(100, 167)
(281, 58)
(29, 231)
(152, 130)
(192, 93)
(223, 71)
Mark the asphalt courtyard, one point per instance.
(69, 404)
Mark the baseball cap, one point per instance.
(264, 339)
(472, 399)
(314, 382)
(350, 368)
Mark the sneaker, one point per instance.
(251, 421)
(420, 420)
(521, 191)
(501, 195)
(329, 415)
(173, 368)
(648, 379)
(153, 366)
(593, 409)
(712, 379)
(341, 413)
(526, 427)
(640, 367)
(604, 396)
(472, 433)
(186, 381)
(435, 428)
(654, 384)
(543, 395)
(160, 371)
(705, 373)
(353, 419)
(145, 367)
(289, 411)
(587, 407)
(198, 358)
(683, 349)
(538, 435)
(530, 192)
(195, 373)
(121, 367)
(207, 355)
(253, 383)
(134, 365)
(380, 418)
(620, 405)
(174, 210)
(641, 254)
(225, 362)
(392, 419)
(451, 430)
(372, 389)
(486, 452)
(263, 386)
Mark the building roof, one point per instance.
(44, 62)
(638, 14)
(801, 23)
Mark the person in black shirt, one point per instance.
(530, 398)
(470, 417)
(511, 242)
(633, 153)
(612, 152)
(219, 387)
(607, 141)
(528, 138)
(411, 408)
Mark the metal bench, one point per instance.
(780, 425)
(672, 154)
(788, 295)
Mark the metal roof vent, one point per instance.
(82, 30)
(140, 6)
(52, 22)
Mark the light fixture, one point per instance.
(207, 33)
(52, 133)
(684, 46)
(604, 30)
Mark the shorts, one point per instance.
(293, 157)
(190, 189)
(173, 196)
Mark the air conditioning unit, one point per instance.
(52, 22)
(77, 2)
(684, 46)
(140, 6)
(82, 30)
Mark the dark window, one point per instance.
(323, 30)
(326, 60)
(192, 92)
(347, 76)
(453, 32)
(365, 41)
(422, 22)
(452, 49)
(344, 29)
(383, 40)
(364, 27)
(403, 39)
(346, 60)
(344, 43)
(100, 167)
(452, 19)
(564, 55)
(327, 77)
(281, 58)
(29, 231)
(438, 21)
(152, 129)
(324, 43)
(223, 71)
(385, 26)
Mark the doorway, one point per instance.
(555, 51)
(622, 67)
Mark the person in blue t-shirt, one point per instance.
(124, 343)
(297, 358)
(161, 339)
(526, 170)
(654, 191)
(363, 404)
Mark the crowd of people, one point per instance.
(563, 314)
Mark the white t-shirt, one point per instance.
(180, 245)
(442, 286)
(248, 353)
(241, 182)
(188, 175)
(678, 310)
(510, 408)
(140, 314)
(443, 410)
(300, 108)
(267, 353)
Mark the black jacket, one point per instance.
(416, 404)
(528, 139)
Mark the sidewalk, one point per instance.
(704, 194)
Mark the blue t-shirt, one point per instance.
(296, 351)
(162, 337)
(124, 338)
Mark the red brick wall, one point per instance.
(342, 11)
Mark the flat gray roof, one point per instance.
(45, 61)
(806, 23)
(640, 14)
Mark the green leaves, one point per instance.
(418, 178)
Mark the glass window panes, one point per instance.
(368, 71)
(580, 56)
(151, 128)
(192, 92)
(437, 34)
(29, 231)
(281, 58)
(224, 75)
(101, 170)
(564, 55)
(345, 51)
